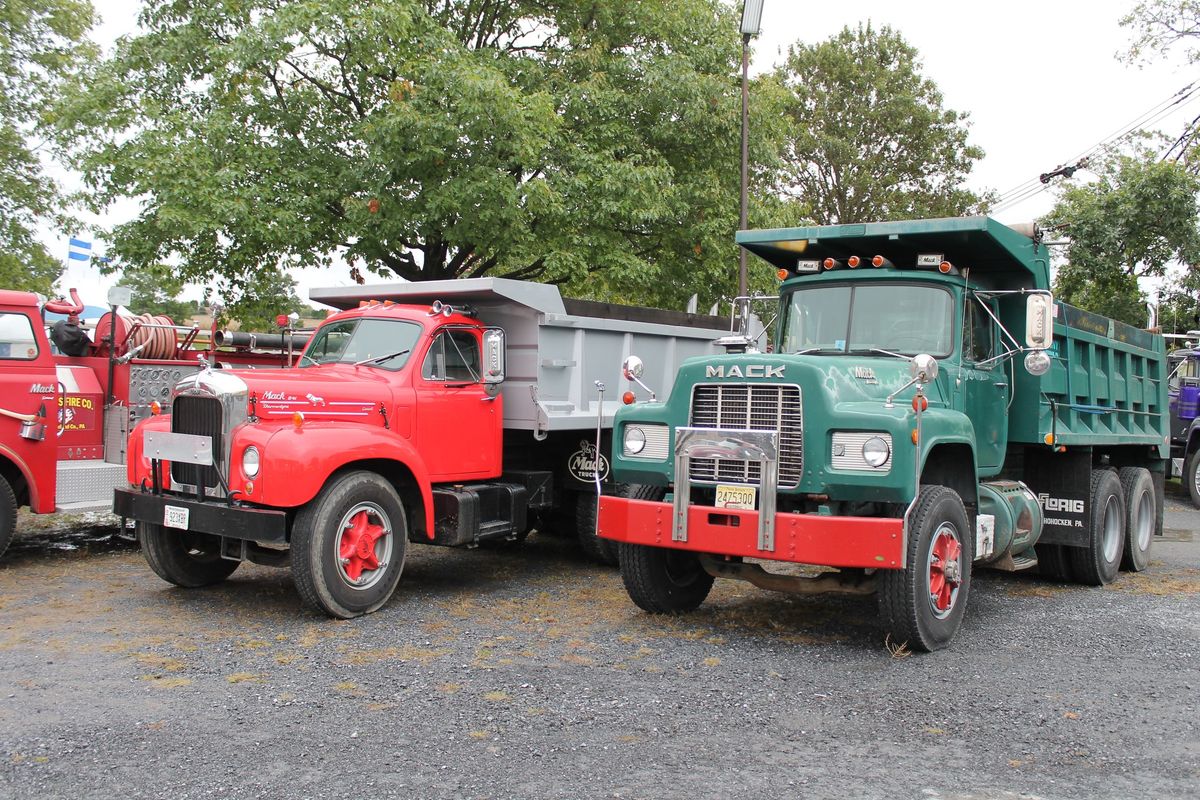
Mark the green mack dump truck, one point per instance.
(925, 407)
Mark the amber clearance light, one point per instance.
(297, 420)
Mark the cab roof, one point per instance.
(979, 243)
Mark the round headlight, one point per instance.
(876, 451)
(251, 461)
(635, 441)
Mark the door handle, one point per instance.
(1001, 385)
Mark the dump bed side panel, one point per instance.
(1107, 386)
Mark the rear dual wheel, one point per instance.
(1097, 562)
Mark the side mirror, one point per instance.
(632, 368)
(119, 296)
(493, 356)
(1039, 321)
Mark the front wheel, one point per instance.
(186, 559)
(8, 514)
(348, 545)
(1191, 476)
(663, 581)
(923, 604)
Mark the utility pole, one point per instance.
(751, 26)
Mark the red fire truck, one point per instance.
(446, 412)
(69, 397)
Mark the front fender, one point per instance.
(296, 462)
(941, 426)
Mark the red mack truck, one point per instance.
(445, 412)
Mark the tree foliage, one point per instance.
(584, 143)
(156, 289)
(42, 43)
(1138, 218)
(1160, 25)
(870, 138)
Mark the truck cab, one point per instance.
(29, 395)
(925, 406)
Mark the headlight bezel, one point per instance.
(630, 445)
(876, 452)
(251, 461)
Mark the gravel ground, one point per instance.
(529, 674)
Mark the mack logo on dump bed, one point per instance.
(736, 371)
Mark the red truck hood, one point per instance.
(335, 391)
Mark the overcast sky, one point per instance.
(1040, 79)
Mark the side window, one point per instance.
(16, 338)
(978, 344)
(454, 357)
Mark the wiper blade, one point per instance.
(380, 359)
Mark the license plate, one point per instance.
(740, 497)
(175, 517)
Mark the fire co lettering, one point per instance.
(751, 371)
(1060, 504)
(76, 402)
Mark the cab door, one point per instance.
(459, 422)
(29, 386)
(986, 388)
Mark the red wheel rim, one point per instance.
(364, 545)
(945, 570)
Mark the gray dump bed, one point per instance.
(558, 349)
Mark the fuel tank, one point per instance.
(1017, 513)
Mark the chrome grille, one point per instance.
(756, 407)
(200, 416)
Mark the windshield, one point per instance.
(385, 343)
(901, 318)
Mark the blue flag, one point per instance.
(79, 250)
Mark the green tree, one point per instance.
(156, 290)
(41, 45)
(1160, 25)
(256, 304)
(870, 138)
(590, 144)
(1138, 218)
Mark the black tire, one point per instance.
(1054, 562)
(602, 551)
(940, 551)
(1141, 516)
(184, 558)
(663, 580)
(1096, 563)
(8, 514)
(346, 586)
(1191, 476)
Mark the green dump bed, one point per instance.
(1107, 385)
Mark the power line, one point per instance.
(1034, 186)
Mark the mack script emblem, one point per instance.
(751, 371)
